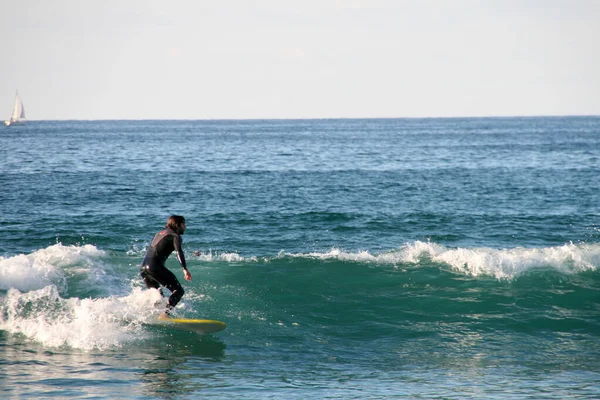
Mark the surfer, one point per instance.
(153, 269)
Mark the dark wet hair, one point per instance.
(175, 222)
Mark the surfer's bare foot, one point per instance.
(164, 315)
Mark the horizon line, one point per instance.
(316, 118)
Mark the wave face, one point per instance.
(82, 297)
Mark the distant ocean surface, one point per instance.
(367, 259)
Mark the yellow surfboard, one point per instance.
(194, 325)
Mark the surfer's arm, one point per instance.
(181, 257)
(179, 251)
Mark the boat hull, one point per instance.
(9, 122)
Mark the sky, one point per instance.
(236, 59)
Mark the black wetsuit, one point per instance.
(153, 268)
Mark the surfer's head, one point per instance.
(176, 223)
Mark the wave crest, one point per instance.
(510, 263)
(47, 267)
(499, 263)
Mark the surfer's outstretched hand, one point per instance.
(187, 275)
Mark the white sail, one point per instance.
(19, 110)
(18, 114)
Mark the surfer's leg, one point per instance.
(168, 279)
(177, 293)
(150, 281)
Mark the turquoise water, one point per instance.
(425, 258)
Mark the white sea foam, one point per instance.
(35, 304)
(227, 257)
(509, 263)
(49, 266)
(500, 263)
(44, 316)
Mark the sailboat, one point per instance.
(18, 115)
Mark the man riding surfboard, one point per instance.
(153, 270)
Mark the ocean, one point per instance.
(350, 258)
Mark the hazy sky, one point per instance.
(197, 59)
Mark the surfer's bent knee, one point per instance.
(176, 296)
